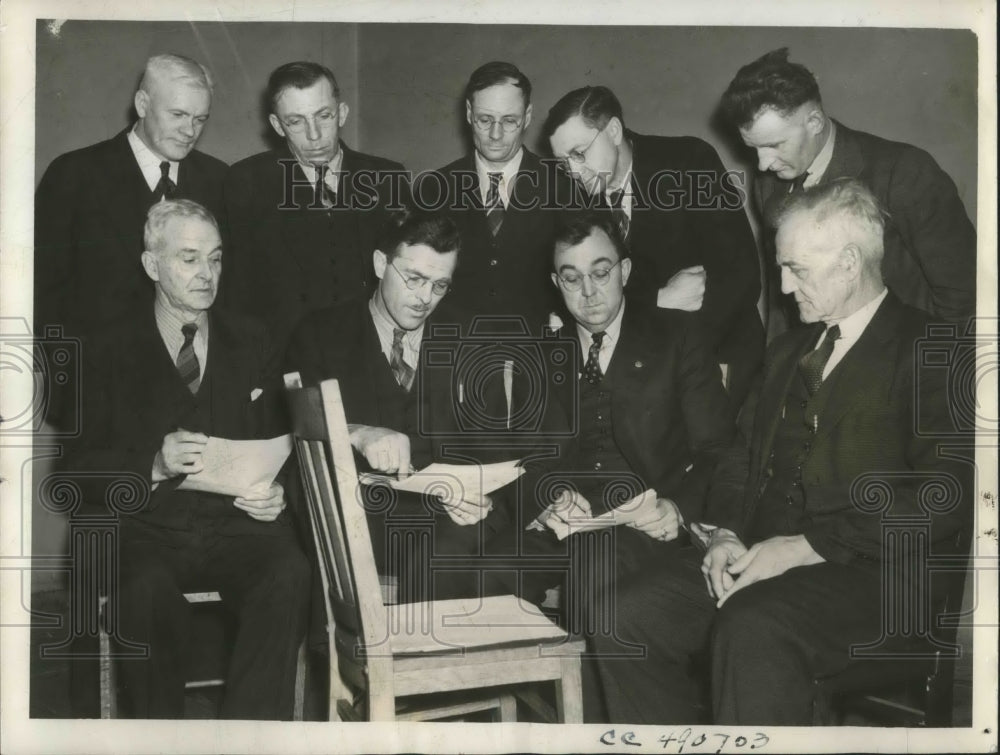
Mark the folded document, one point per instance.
(239, 467)
(453, 482)
(632, 510)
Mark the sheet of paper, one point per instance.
(239, 467)
(630, 511)
(454, 482)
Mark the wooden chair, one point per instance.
(388, 661)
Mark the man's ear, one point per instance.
(815, 119)
(615, 130)
(276, 125)
(141, 102)
(626, 270)
(555, 280)
(527, 117)
(342, 111)
(150, 265)
(468, 112)
(380, 261)
(851, 260)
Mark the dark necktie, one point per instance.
(494, 205)
(323, 195)
(400, 369)
(592, 369)
(618, 212)
(798, 183)
(812, 364)
(165, 188)
(187, 360)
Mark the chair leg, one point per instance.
(108, 701)
(508, 709)
(569, 692)
(300, 683)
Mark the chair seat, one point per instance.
(451, 626)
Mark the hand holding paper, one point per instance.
(264, 506)
(244, 468)
(571, 513)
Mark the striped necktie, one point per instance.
(494, 205)
(400, 369)
(812, 364)
(165, 188)
(187, 360)
(618, 212)
(323, 195)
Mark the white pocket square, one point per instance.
(255, 393)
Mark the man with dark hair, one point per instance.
(91, 204)
(681, 216)
(159, 386)
(930, 245)
(794, 570)
(648, 411)
(397, 413)
(503, 200)
(303, 219)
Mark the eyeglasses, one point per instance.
(576, 155)
(486, 122)
(298, 123)
(574, 281)
(413, 282)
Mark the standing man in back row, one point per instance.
(303, 219)
(503, 200)
(683, 219)
(91, 204)
(930, 245)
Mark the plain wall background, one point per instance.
(403, 82)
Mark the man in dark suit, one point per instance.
(158, 386)
(400, 410)
(303, 219)
(796, 566)
(681, 216)
(930, 245)
(503, 200)
(91, 204)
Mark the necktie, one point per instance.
(400, 369)
(187, 360)
(323, 195)
(592, 369)
(798, 183)
(812, 364)
(165, 188)
(494, 205)
(618, 212)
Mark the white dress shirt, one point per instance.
(611, 336)
(822, 161)
(149, 163)
(385, 327)
(626, 194)
(332, 176)
(508, 173)
(851, 328)
(169, 325)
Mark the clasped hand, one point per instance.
(685, 290)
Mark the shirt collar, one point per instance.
(332, 177)
(822, 161)
(611, 333)
(852, 326)
(169, 323)
(509, 170)
(385, 326)
(149, 162)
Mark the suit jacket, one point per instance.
(930, 245)
(508, 275)
(134, 396)
(876, 442)
(687, 212)
(283, 258)
(90, 210)
(672, 417)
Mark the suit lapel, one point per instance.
(628, 371)
(846, 160)
(122, 183)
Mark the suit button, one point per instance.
(493, 262)
(789, 500)
(597, 465)
(803, 404)
(600, 416)
(600, 448)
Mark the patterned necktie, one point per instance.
(494, 205)
(400, 369)
(618, 212)
(812, 364)
(323, 195)
(187, 360)
(592, 369)
(165, 188)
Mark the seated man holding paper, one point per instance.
(161, 392)
(651, 417)
(400, 411)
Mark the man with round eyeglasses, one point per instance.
(504, 201)
(681, 215)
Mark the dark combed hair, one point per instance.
(574, 226)
(497, 72)
(410, 226)
(301, 74)
(769, 82)
(596, 105)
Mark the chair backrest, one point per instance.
(337, 514)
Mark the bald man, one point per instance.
(91, 204)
